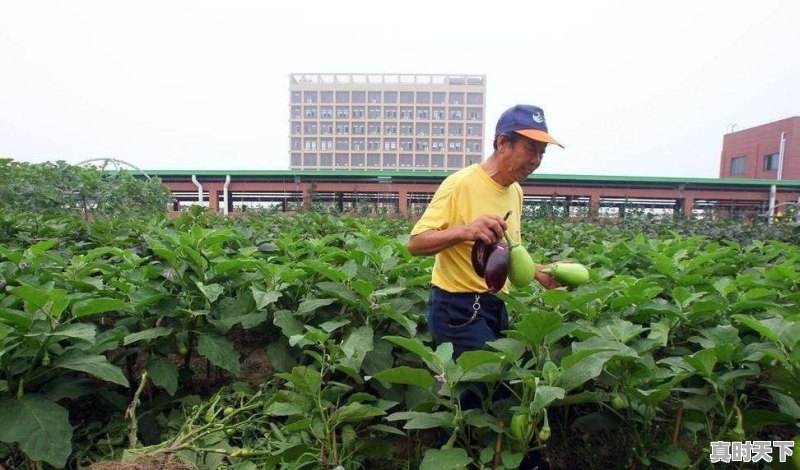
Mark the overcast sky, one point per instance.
(630, 87)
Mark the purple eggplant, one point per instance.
(480, 255)
(496, 271)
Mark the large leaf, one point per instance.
(210, 291)
(535, 326)
(406, 375)
(355, 412)
(419, 420)
(451, 459)
(94, 306)
(220, 351)
(149, 333)
(310, 305)
(40, 426)
(164, 374)
(412, 344)
(544, 396)
(93, 364)
(585, 369)
(264, 298)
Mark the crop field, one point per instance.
(300, 342)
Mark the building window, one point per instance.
(310, 159)
(296, 159)
(342, 96)
(455, 161)
(325, 159)
(390, 160)
(326, 97)
(771, 162)
(737, 165)
(390, 97)
(359, 97)
(342, 160)
(310, 96)
(373, 159)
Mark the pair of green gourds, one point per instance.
(522, 270)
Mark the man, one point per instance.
(470, 205)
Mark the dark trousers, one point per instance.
(469, 321)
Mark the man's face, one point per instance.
(525, 156)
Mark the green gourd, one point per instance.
(521, 270)
(568, 273)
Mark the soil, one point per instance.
(145, 462)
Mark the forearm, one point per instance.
(434, 241)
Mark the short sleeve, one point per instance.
(438, 215)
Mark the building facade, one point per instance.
(386, 122)
(755, 152)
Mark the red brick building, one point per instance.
(754, 152)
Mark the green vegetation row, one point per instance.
(135, 336)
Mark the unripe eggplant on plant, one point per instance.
(568, 273)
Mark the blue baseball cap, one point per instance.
(526, 120)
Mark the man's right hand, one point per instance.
(488, 227)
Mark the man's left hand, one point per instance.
(545, 279)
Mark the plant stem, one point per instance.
(130, 412)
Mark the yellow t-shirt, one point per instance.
(461, 198)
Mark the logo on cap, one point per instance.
(537, 117)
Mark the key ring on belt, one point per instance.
(476, 306)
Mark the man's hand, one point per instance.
(488, 227)
(545, 279)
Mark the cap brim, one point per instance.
(541, 136)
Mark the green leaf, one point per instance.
(333, 325)
(451, 459)
(94, 306)
(419, 420)
(406, 375)
(703, 361)
(289, 325)
(585, 369)
(16, 318)
(40, 426)
(210, 291)
(412, 344)
(310, 305)
(264, 298)
(472, 359)
(164, 374)
(279, 356)
(149, 333)
(544, 396)
(82, 331)
(535, 326)
(674, 457)
(93, 364)
(220, 351)
(387, 429)
(354, 412)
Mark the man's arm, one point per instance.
(488, 228)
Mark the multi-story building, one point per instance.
(755, 152)
(388, 121)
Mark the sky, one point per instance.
(630, 87)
